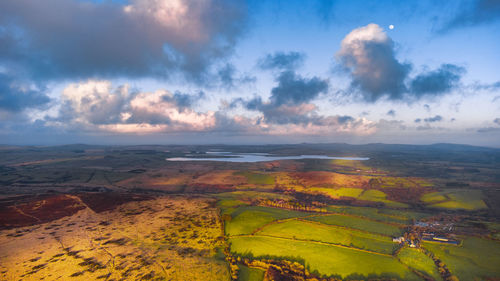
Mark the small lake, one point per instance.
(256, 157)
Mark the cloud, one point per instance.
(289, 100)
(230, 79)
(437, 118)
(97, 106)
(142, 39)
(485, 86)
(491, 129)
(436, 82)
(17, 95)
(473, 13)
(294, 89)
(289, 109)
(391, 113)
(367, 53)
(282, 61)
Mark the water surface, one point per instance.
(256, 157)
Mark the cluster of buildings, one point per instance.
(427, 231)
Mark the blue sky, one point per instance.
(216, 71)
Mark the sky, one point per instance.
(249, 72)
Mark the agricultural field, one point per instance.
(247, 219)
(358, 223)
(323, 259)
(419, 261)
(465, 199)
(379, 214)
(476, 258)
(379, 196)
(309, 231)
(246, 273)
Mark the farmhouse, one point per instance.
(400, 239)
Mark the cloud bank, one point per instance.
(142, 39)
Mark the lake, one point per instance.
(256, 157)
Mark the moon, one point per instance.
(391, 26)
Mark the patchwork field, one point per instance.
(474, 259)
(358, 223)
(323, 258)
(419, 261)
(466, 199)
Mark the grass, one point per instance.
(323, 259)
(248, 195)
(340, 192)
(379, 196)
(466, 199)
(475, 259)
(227, 203)
(380, 214)
(250, 274)
(359, 193)
(417, 260)
(246, 219)
(358, 223)
(303, 230)
(257, 178)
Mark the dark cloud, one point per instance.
(391, 112)
(230, 79)
(184, 101)
(367, 53)
(294, 89)
(436, 82)
(17, 95)
(488, 130)
(496, 121)
(289, 100)
(282, 61)
(142, 39)
(368, 56)
(485, 86)
(474, 12)
(437, 118)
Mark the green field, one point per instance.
(380, 214)
(248, 195)
(246, 219)
(474, 259)
(323, 259)
(338, 193)
(304, 230)
(417, 260)
(246, 273)
(358, 223)
(359, 193)
(379, 196)
(466, 199)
